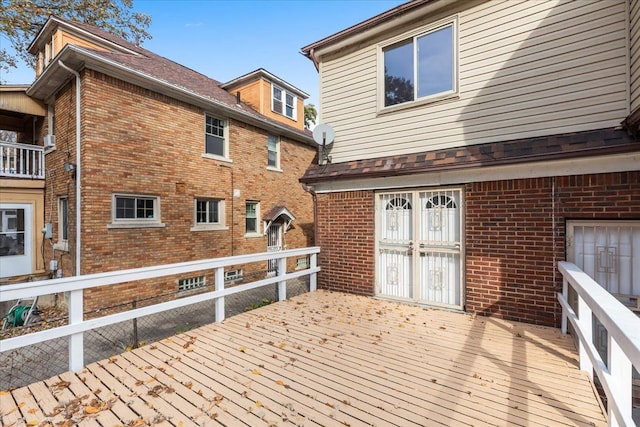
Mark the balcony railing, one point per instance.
(75, 287)
(21, 161)
(623, 339)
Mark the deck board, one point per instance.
(330, 359)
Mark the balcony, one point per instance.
(21, 161)
(326, 358)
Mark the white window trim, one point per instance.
(225, 157)
(136, 222)
(256, 233)
(277, 167)
(232, 276)
(200, 282)
(220, 225)
(452, 94)
(62, 244)
(294, 116)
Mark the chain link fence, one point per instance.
(40, 361)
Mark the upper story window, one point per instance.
(216, 137)
(421, 67)
(135, 211)
(283, 102)
(273, 152)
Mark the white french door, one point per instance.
(420, 246)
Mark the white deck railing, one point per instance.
(75, 286)
(623, 342)
(21, 160)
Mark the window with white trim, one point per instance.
(233, 275)
(63, 220)
(209, 212)
(273, 152)
(283, 102)
(302, 263)
(136, 209)
(252, 210)
(420, 67)
(215, 130)
(192, 283)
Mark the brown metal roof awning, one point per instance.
(276, 213)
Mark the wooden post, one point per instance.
(76, 341)
(621, 377)
(313, 277)
(565, 293)
(282, 285)
(586, 326)
(219, 302)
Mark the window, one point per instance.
(283, 102)
(252, 209)
(420, 67)
(208, 211)
(63, 219)
(192, 283)
(233, 276)
(273, 152)
(136, 211)
(215, 140)
(302, 263)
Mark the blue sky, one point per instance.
(226, 39)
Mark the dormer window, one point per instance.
(283, 102)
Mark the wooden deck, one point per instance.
(327, 359)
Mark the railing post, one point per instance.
(282, 285)
(313, 277)
(586, 325)
(565, 293)
(621, 378)
(76, 341)
(219, 302)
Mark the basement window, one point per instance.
(191, 283)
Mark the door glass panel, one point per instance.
(12, 232)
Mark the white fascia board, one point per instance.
(597, 164)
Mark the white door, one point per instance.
(419, 238)
(274, 244)
(16, 253)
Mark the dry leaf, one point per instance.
(256, 372)
(91, 410)
(280, 382)
(4, 393)
(33, 423)
(243, 349)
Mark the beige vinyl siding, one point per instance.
(634, 36)
(526, 69)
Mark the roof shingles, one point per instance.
(556, 147)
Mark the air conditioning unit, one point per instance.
(49, 141)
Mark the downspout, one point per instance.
(78, 168)
(309, 189)
(76, 298)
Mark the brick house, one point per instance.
(21, 184)
(478, 143)
(170, 165)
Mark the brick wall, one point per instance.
(346, 239)
(135, 141)
(514, 238)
